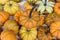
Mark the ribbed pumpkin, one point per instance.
(17, 15)
(29, 19)
(55, 29)
(8, 35)
(57, 8)
(41, 20)
(42, 35)
(51, 18)
(3, 1)
(4, 16)
(11, 25)
(11, 7)
(28, 34)
(27, 4)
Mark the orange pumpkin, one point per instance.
(27, 4)
(42, 34)
(55, 29)
(50, 18)
(3, 17)
(41, 20)
(29, 20)
(17, 15)
(57, 8)
(8, 35)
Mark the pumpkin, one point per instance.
(11, 25)
(11, 7)
(4, 16)
(28, 34)
(42, 35)
(8, 35)
(55, 29)
(16, 0)
(4, 1)
(32, 1)
(57, 8)
(58, 0)
(27, 4)
(17, 15)
(41, 20)
(50, 18)
(45, 6)
(29, 19)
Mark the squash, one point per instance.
(57, 8)
(8, 35)
(29, 19)
(58, 0)
(55, 29)
(11, 25)
(50, 18)
(17, 15)
(28, 34)
(4, 16)
(27, 4)
(11, 7)
(42, 35)
(45, 6)
(32, 1)
(4, 1)
(41, 20)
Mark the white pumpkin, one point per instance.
(45, 6)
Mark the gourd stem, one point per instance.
(32, 10)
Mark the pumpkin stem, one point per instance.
(32, 10)
(10, 4)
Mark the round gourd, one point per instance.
(17, 15)
(3, 1)
(57, 8)
(11, 7)
(28, 34)
(42, 35)
(8, 35)
(41, 21)
(29, 20)
(11, 25)
(50, 18)
(27, 4)
(55, 29)
(4, 16)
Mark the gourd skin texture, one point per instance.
(28, 35)
(11, 7)
(55, 29)
(8, 35)
(57, 8)
(4, 16)
(28, 22)
(16, 0)
(11, 25)
(3, 1)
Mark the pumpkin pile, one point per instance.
(33, 20)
